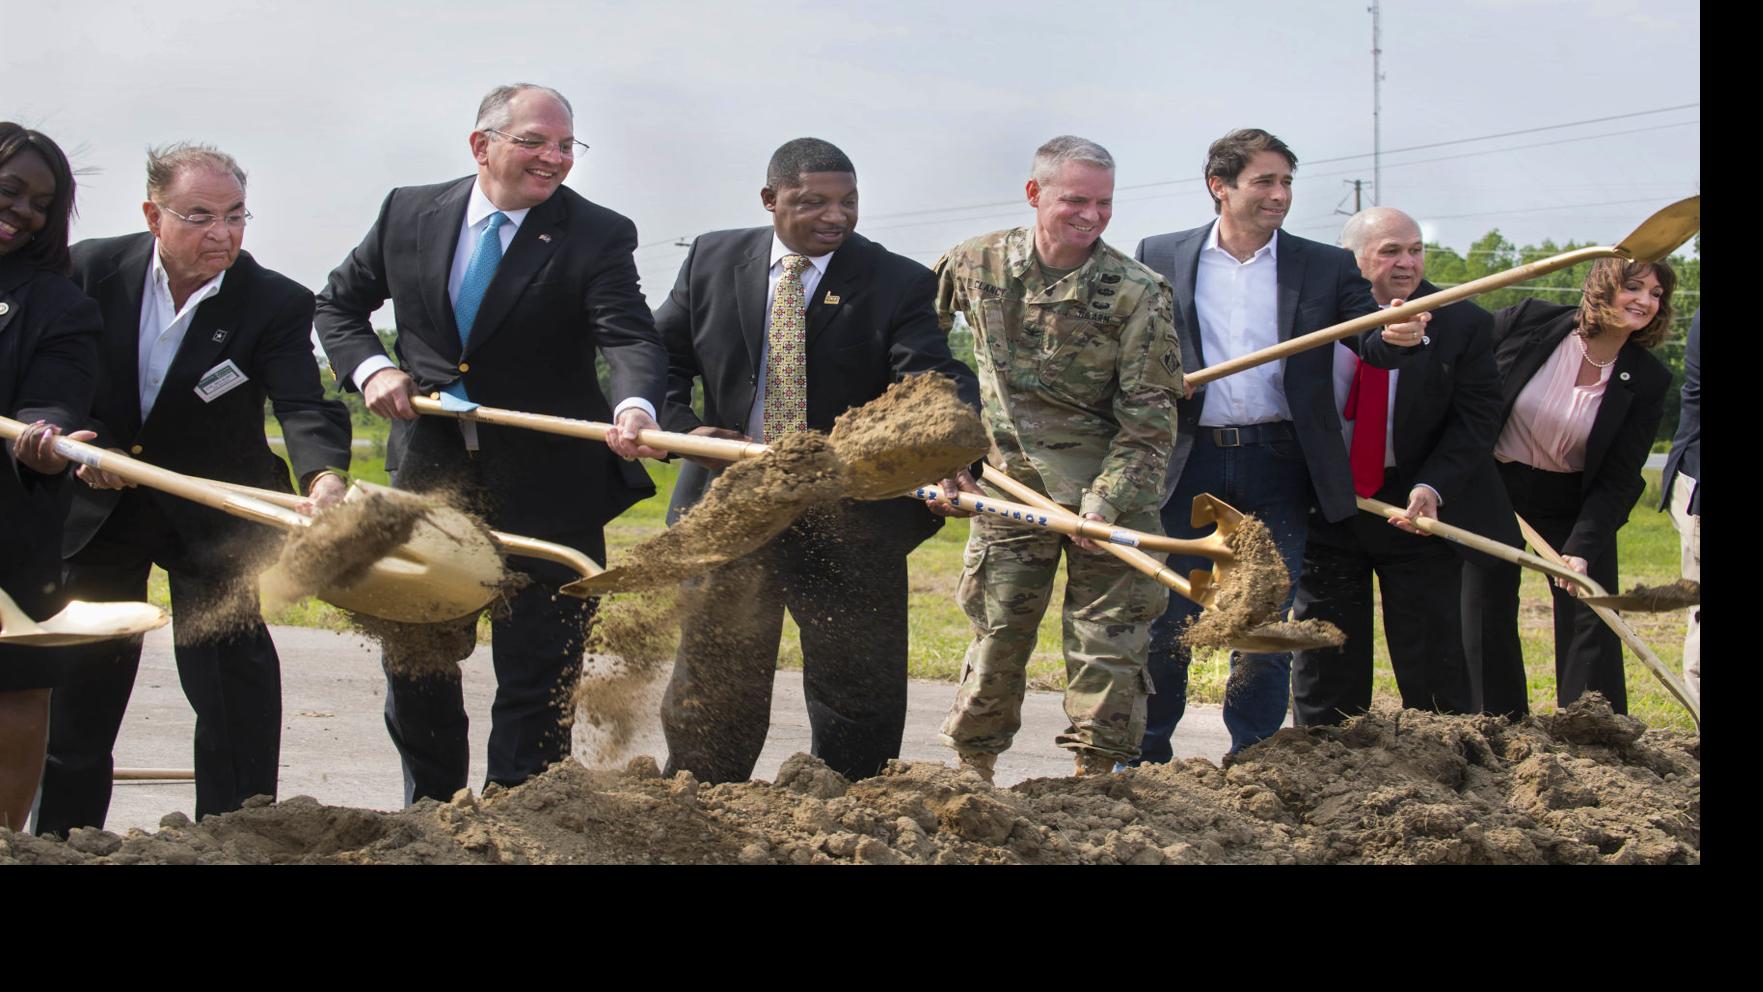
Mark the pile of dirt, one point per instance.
(918, 431)
(1581, 787)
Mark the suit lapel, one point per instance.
(120, 294)
(540, 236)
(1185, 268)
(437, 236)
(1612, 411)
(211, 330)
(751, 275)
(844, 276)
(1412, 382)
(1290, 275)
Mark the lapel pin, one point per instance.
(831, 300)
(1625, 377)
(219, 336)
(546, 238)
(5, 308)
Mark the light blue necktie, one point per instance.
(478, 273)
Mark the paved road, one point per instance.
(334, 744)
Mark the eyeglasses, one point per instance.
(568, 149)
(206, 220)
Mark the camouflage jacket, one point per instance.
(1078, 380)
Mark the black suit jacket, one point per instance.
(1319, 286)
(1686, 446)
(882, 327)
(1622, 432)
(261, 321)
(566, 287)
(1447, 418)
(48, 371)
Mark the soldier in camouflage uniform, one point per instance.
(1079, 372)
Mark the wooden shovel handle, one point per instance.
(1068, 523)
(204, 491)
(1629, 635)
(1393, 315)
(721, 449)
(1487, 546)
(1163, 574)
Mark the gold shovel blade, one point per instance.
(82, 623)
(1664, 232)
(449, 568)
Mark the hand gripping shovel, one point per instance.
(78, 623)
(1657, 237)
(509, 544)
(1629, 636)
(445, 568)
(1591, 594)
(1200, 586)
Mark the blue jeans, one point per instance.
(1270, 481)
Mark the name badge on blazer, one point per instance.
(220, 380)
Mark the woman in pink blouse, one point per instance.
(1583, 398)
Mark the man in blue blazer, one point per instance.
(1266, 440)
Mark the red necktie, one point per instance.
(1368, 406)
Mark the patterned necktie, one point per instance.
(1368, 406)
(786, 362)
(478, 273)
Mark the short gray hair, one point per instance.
(167, 161)
(1053, 156)
(494, 114)
(1363, 224)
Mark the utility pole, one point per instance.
(1376, 103)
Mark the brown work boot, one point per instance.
(1094, 763)
(985, 764)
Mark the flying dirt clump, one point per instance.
(918, 431)
(631, 639)
(1251, 596)
(1583, 786)
(342, 543)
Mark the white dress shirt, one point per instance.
(477, 218)
(810, 282)
(1238, 308)
(163, 325)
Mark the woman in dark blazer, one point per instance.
(48, 371)
(1583, 396)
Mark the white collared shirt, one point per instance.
(163, 325)
(810, 282)
(477, 217)
(1237, 304)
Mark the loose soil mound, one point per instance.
(918, 431)
(1582, 787)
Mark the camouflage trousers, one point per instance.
(1006, 583)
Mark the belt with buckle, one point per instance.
(1236, 437)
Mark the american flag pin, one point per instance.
(546, 238)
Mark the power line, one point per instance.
(997, 204)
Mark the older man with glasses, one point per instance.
(196, 335)
(506, 283)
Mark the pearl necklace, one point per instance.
(1587, 355)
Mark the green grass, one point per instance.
(939, 631)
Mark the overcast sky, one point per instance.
(940, 104)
